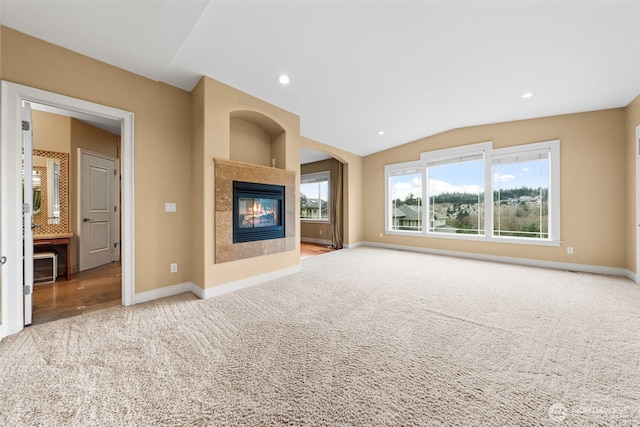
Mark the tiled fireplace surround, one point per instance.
(226, 172)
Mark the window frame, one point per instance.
(489, 155)
(318, 177)
(404, 168)
(552, 148)
(457, 155)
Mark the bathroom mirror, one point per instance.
(50, 192)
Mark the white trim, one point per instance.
(405, 168)
(10, 181)
(631, 275)
(484, 151)
(318, 178)
(584, 268)
(316, 241)
(167, 291)
(225, 288)
(249, 282)
(637, 226)
(353, 245)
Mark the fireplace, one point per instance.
(257, 211)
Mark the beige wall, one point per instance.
(214, 103)
(593, 186)
(162, 144)
(353, 189)
(51, 132)
(249, 143)
(632, 121)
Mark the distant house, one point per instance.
(314, 209)
(409, 217)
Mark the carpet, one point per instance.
(360, 337)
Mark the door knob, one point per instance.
(86, 219)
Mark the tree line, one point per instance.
(458, 199)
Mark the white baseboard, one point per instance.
(352, 245)
(633, 276)
(316, 241)
(585, 268)
(167, 291)
(248, 282)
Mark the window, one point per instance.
(524, 180)
(477, 192)
(314, 196)
(456, 189)
(404, 184)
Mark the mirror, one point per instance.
(50, 192)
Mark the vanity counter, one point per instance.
(55, 239)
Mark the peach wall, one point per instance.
(162, 144)
(249, 143)
(218, 102)
(632, 121)
(51, 132)
(593, 186)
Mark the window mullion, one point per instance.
(488, 193)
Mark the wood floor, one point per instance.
(99, 288)
(87, 291)
(311, 249)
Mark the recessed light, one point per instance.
(527, 95)
(284, 79)
(380, 132)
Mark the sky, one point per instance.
(466, 178)
(313, 189)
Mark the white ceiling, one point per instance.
(412, 69)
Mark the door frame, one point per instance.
(116, 188)
(637, 150)
(12, 95)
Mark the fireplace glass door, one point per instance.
(258, 212)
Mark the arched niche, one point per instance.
(257, 139)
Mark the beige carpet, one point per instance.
(361, 337)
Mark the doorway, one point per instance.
(11, 236)
(87, 189)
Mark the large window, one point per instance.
(475, 191)
(314, 196)
(404, 184)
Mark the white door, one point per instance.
(97, 203)
(27, 202)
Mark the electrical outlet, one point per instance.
(169, 207)
(174, 267)
(570, 250)
(321, 232)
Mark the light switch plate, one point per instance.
(169, 207)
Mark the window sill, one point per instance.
(478, 238)
(315, 221)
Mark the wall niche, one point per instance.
(256, 139)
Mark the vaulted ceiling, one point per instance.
(409, 69)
